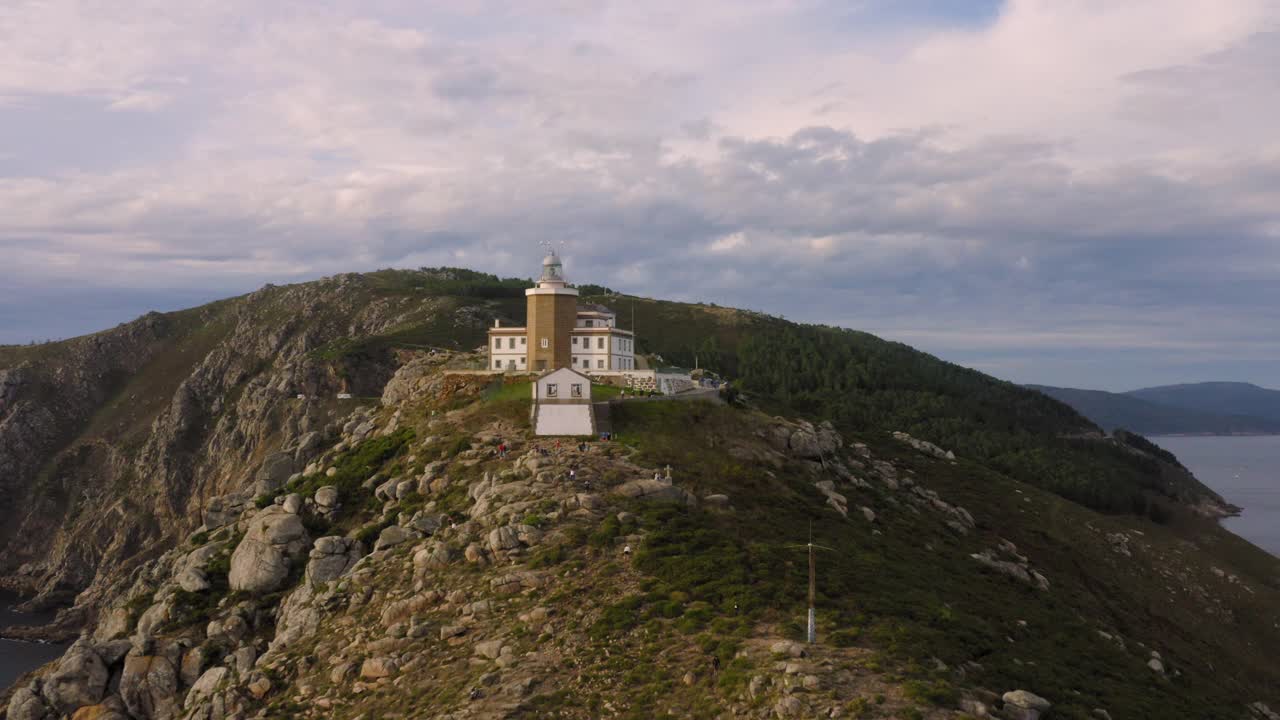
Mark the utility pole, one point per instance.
(813, 592)
(812, 633)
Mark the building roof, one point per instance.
(563, 375)
(600, 331)
(594, 308)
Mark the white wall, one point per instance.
(564, 420)
(510, 358)
(617, 353)
(564, 379)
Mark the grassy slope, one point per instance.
(864, 383)
(900, 594)
(912, 593)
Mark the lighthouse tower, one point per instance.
(552, 313)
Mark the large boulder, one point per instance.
(262, 561)
(206, 686)
(331, 558)
(510, 537)
(924, 446)
(79, 679)
(275, 470)
(298, 618)
(376, 668)
(308, 447)
(26, 704)
(804, 440)
(434, 556)
(149, 686)
(327, 498)
(191, 577)
(655, 489)
(1024, 705)
(222, 511)
(393, 536)
(427, 523)
(111, 709)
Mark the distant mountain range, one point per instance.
(1210, 408)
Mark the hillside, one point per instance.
(1217, 397)
(1126, 410)
(233, 550)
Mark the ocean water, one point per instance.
(17, 658)
(1245, 471)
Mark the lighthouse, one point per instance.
(552, 314)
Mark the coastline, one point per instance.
(26, 643)
(1243, 470)
(1207, 434)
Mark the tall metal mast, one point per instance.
(812, 634)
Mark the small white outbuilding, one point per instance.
(562, 404)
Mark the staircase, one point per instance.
(603, 418)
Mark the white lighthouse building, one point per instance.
(560, 333)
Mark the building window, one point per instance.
(511, 343)
(575, 390)
(511, 364)
(497, 364)
(600, 343)
(544, 343)
(497, 344)
(586, 362)
(522, 361)
(575, 341)
(552, 389)
(599, 364)
(522, 341)
(591, 323)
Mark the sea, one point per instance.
(1243, 469)
(18, 658)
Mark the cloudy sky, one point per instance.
(1076, 192)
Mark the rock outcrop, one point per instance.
(269, 549)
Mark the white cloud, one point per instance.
(141, 102)
(1113, 153)
(728, 243)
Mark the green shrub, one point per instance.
(535, 520)
(844, 637)
(935, 692)
(548, 556)
(355, 466)
(619, 617)
(369, 533)
(459, 446)
(604, 535)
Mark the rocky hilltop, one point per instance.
(226, 538)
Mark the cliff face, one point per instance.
(233, 550)
(111, 444)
